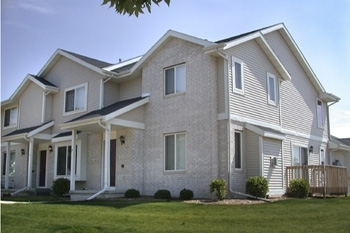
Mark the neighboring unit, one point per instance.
(186, 112)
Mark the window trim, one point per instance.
(299, 147)
(3, 122)
(175, 168)
(241, 151)
(269, 100)
(317, 114)
(233, 75)
(77, 162)
(85, 85)
(164, 78)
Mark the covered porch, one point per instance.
(323, 179)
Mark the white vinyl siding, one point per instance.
(271, 89)
(273, 172)
(131, 89)
(237, 75)
(175, 80)
(252, 154)
(75, 99)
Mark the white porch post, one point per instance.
(107, 152)
(7, 165)
(30, 162)
(72, 166)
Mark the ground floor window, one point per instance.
(299, 156)
(238, 150)
(12, 163)
(63, 167)
(175, 152)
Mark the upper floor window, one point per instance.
(271, 89)
(175, 152)
(75, 99)
(320, 122)
(237, 75)
(10, 117)
(175, 79)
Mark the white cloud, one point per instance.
(33, 7)
(340, 122)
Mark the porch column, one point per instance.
(72, 164)
(7, 165)
(107, 153)
(30, 162)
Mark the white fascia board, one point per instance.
(14, 137)
(273, 57)
(126, 123)
(123, 63)
(62, 139)
(43, 136)
(41, 128)
(329, 97)
(126, 109)
(74, 124)
(241, 40)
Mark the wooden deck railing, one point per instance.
(323, 179)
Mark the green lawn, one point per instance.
(293, 215)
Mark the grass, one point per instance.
(292, 215)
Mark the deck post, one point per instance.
(324, 180)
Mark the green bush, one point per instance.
(299, 188)
(218, 185)
(186, 194)
(132, 193)
(257, 186)
(162, 194)
(60, 186)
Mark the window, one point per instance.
(12, 164)
(299, 156)
(237, 75)
(64, 161)
(75, 99)
(175, 152)
(322, 157)
(175, 79)
(271, 89)
(238, 150)
(10, 117)
(320, 114)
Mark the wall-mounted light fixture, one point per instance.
(23, 151)
(50, 148)
(311, 150)
(122, 139)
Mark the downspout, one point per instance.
(229, 131)
(107, 129)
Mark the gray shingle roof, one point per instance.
(92, 61)
(25, 130)
(43, 81)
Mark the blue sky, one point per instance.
(31, 31)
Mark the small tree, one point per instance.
(218, 185)
(257, 186)
(186, 194)
(60, 186)
(299, 188)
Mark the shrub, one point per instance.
(218, 185)
(186, 194)
(299, 188)
(60, 186)
(132, 193)
(162, 194)
(257, 186)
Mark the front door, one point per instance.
(42, 169)
(112, 163)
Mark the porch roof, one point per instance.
(21, 135)
(265, 131)
(339, 143)
(107, 114)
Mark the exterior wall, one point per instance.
(111, 93)
(221, 86)
(48, 108)
(344, 157)
(253, 104)
(273, 173)
(131, 89)
(136, 115)
(223, 149)
(252, 155)
(66, 74)
(298, 95)
(94, 162)
(193, 113)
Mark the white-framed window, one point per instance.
(320, 119)
(175, 79)
(175, 155)
(63, 156)
(322, 156)
(238, 150)
(237, 75)
(75, 99)
(12, 163)
(299, 155)
(271, 89)
(10, 117)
